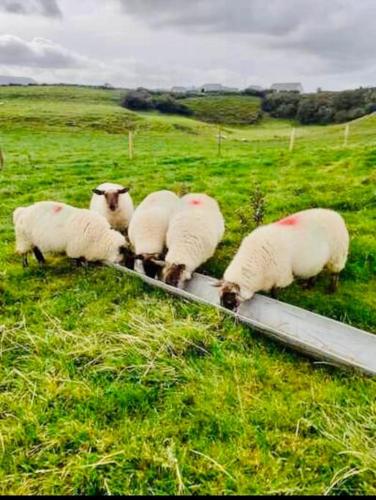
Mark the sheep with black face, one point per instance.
(192, 237)
(115, 203)
(148, 229)
(53, 227)
(272, 256)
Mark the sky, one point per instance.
(163, 43)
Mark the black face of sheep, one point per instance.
(112, 197)
(175, 275)
(152, 264)
(229, 295)
(229, 300)
(128, 257)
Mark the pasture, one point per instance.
(111, 387)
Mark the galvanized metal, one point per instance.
(319, 337)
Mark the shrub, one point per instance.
(167, 104)
(138, 100)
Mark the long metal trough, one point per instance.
(321, 338)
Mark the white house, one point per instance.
(287, 87)
(217, 87)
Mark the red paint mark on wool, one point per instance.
(57, 208)
(288, 221)
(195, 202)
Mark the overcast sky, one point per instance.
(161, 43)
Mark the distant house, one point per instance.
(287, 87)
(179, 90)
(217, 87)
(16, 80)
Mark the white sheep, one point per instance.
(51, 227)
(115, 203)
(148, 228)
(301, 246)
(192, 237)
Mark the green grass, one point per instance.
(229, 110)
(110, 386)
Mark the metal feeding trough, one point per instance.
(322, 338)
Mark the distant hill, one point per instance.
(16, 80)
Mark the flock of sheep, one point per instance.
(170, 237)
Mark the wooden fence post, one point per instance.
(347, 133)
(2, 159)
(292, 139)
(130, 144)
(219, 141)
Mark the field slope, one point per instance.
(111, 387)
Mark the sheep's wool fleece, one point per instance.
(194, 231)
(301, 246)
(121, 217)
(149, 224)
(59, 228)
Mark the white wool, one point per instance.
(194, 231)
(301, 245)
(58, 228)
(121, 217)
(149, 224)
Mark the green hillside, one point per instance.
(111, 387)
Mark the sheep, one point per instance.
(298, 246)
(53, 227)
(115, 203)
(148, 228)
(192, 237)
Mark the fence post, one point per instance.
(2, 159)
(219, 141)
(292, 139)
(130, 144)
(347, 133)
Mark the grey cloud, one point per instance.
(38, 53)
(48, 8)
(237, 16)
(338, 32)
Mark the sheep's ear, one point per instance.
(123, 191)
(98, 192)
(217, 284)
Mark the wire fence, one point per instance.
(214, 141)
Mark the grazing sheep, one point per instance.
(53, 227)
(192, 237)
(148, 228)
(301, 245)
(114, 203)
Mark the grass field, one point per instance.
(109, 386)
(230, 110)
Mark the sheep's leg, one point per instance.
(274, 292)
(81, 262)
(25, 262)
(39, 256)
(333, 285)
(309, 283)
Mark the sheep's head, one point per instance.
(152, 263)
(229, 294)
(112, 197)
(176, 275)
